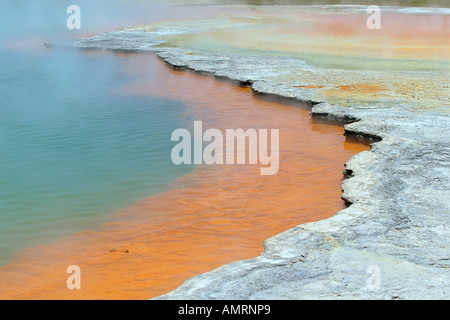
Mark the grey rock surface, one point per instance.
(396, 226)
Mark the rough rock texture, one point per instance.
(397, 222)
(399, 193)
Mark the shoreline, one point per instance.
(195, 220)
(399, 202)
(302, 248)
(399, 240)
(310, 249)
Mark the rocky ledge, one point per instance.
(392, 242)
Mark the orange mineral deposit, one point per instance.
(214, 215)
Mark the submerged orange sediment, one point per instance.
(210, 217)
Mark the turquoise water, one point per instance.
(72, 148)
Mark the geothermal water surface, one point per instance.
(206, 218)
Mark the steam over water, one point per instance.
(71, 148)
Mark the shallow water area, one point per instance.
(209, 217)
(405, 62)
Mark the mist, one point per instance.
(47, 18)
